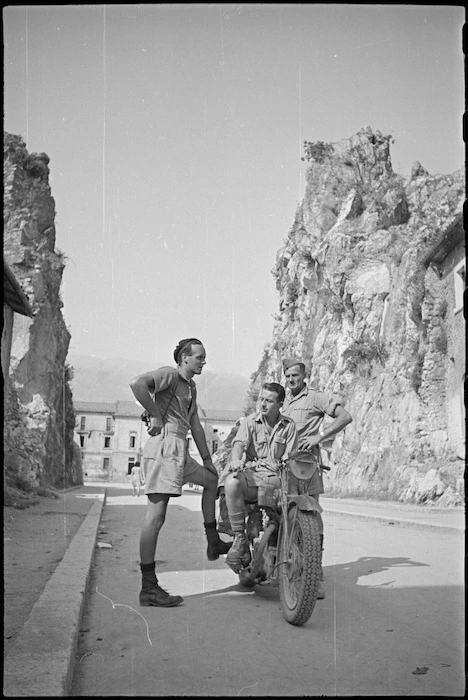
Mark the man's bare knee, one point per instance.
(154, 520)
(232, 484)
(208, 480)
(156, 511)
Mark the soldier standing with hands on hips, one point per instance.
(308, 407)
(169, 396)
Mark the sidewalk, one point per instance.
(40, 660)
(397, 513)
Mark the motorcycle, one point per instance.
(284, 540)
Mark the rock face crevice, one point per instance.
(359, 305)
(38, 417)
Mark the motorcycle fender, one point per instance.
(305, 502)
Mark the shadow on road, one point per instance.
(368, 565)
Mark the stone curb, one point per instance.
(397, 520)
(40, 662)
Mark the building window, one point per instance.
(214, 445)
(82, 456)
(108, 425)
(131, 464)
(107, 442)
(132, 440)
(459, 274)
(83, 423)
(106, 463)
(82, 440)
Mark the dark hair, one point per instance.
(276, 388)
(301, 365)
(184, 345)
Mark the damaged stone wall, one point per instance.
(357, 304)
(38, 416)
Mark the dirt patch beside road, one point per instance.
(35, 541)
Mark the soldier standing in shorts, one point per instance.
(169, 396)
(308, 407)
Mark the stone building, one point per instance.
(446, 263)
(222, 422)
(111, 436)
(14, 301)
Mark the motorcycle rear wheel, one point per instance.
(299, 570)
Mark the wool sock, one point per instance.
(237, 519)
(211, 532)
(148, 572)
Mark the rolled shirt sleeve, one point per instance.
(260, 444)
(291, 439)
(308, 410)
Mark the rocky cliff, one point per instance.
(38, 417)
(359, 306)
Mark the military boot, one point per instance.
(239, 555)
(151, 592)
(216, 546)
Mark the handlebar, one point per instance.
(311, 458)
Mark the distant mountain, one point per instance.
(96, 379)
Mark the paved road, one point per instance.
(392, 622)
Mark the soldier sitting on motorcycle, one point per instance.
(264, 439)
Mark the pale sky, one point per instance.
(175, 137)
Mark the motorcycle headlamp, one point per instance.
(302, 464)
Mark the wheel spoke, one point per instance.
(299, 566)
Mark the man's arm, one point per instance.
(291, 440)
(199, 436)
(142, 387)
(240, 444)
(342, 419)
(237, 454)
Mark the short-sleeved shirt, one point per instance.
(266, 444)
(167, 464)
(308, 409)
(180, 409)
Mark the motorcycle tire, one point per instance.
(300, 567)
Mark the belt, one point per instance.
(260, 463)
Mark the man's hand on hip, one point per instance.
(308, 443)
(156, 425)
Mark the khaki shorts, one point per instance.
(259, 476)
(167, 465)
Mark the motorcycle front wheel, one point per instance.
(299, 565)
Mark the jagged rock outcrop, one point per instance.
(358, 305)
(38, 416)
